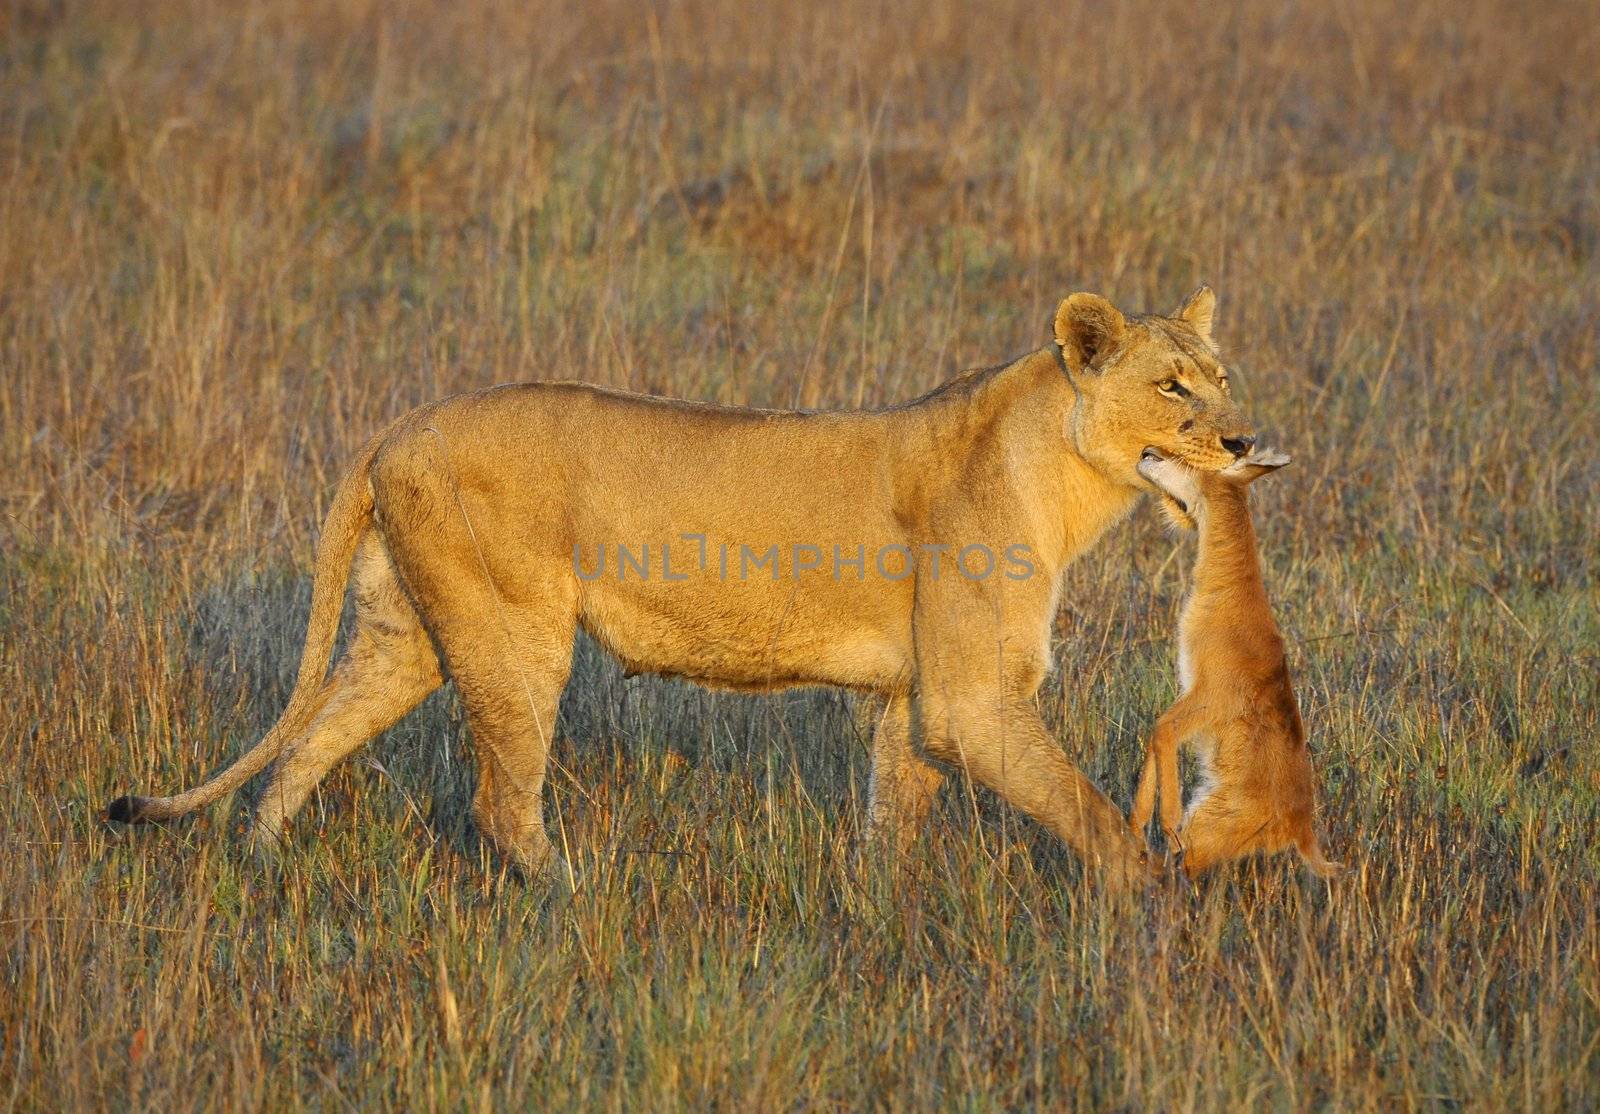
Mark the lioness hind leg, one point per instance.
(509, 661)
(389, 667)
(903, 785)
(511, 704)
(503, 615)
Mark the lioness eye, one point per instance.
(1172, 387)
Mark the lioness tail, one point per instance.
(341, 531)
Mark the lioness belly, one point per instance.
(759, 637)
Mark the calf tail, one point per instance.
(1311, 854)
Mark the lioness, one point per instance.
(754, 549)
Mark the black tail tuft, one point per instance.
(126, 810)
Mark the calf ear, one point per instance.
(1254, 466)
(1087, 328)
(1197, 311)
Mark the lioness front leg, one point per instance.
(903, 784)
(1009, 750)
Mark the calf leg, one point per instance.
(1161, 770)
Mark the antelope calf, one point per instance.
(1236, 710)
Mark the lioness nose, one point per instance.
(1238, 446)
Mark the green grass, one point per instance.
(234, 241)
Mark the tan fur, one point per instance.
(1237, 709)
(463, 518)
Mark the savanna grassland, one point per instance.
(236, 238)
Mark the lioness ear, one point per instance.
(1087, 327)
(1197, 310)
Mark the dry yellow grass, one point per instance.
(234, 239)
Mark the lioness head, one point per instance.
(1149, 382)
